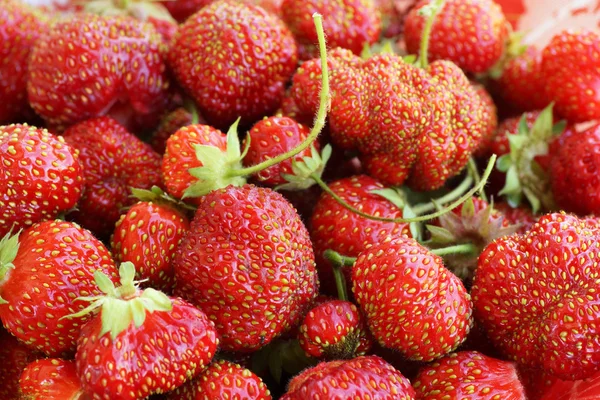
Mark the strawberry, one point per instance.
(22, 26)
(42, 272)
(490, 118)
(51, 379)
(588, 389)
(14, 357)
(521, 216)
(334, 330)
(574, 172)
(40, 178)
(223, 380)
(571, 75)
(170, 124)
(247, 261)
(350, 24)
(535, 294)
(182, 9)
(252, 84)
(411, 302)
(75, 75)
(362, 378)
(114, 160)
(141, 342)
(469, 375)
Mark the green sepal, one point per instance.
(303, 170)
(156, 195)
(9, 247)
(393, 195)
(416, 228)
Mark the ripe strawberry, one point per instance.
(334, 330)
(587, 389)
(574, 172)
(170, 124)
(14, 357)
(571, 75)
(113, 161)
(471, 33)
(40, 176)
(75, 75)
(490, 118)
(349, 24)
(362, 378)
(42, 272)
(51, 379)
(535, 295)
(247, 261)
(252, 84)
(411, 302)
(22, 26)
(469, 375)
(141, 342)
(182, 9)
(223, 380)
(521, 216)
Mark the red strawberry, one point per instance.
(349, 24)
(22, 26)
(588, 389)
(361, 378)
(523, 217)
(247, 261)
(51, 379)
(142, 341)
(411, 302)
(182, 9)
(469, 375)
(40, 176)
(223, 380)
(471, 33)
(113, 161)
(76, 74)
(574, 172)
(490, 119)
(500, 144)
(42, 272)
(14, 357)
(252, 84)
(536, 296)
(571, 75)
(334, 330)
(170, 124)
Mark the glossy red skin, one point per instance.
(516, 274)
(520, 215)
(349, 24)
(40, 176)
(271, 137)
(588, 389)
(574, 172)
(223, 380)
(180, 156)
(470, 33)
(170, 124)
(182, 9)
(168, 349)
(22, 26)
(113, 160)
(572, 75)
(403, 279)
(14, 357)
(469, 375)
(362, 378)
(148, 236)
(55, 265)
(51, 379)
(66, 87)
(252, 84)
(247, 262)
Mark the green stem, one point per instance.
(337, 259)
(338, 262)
(190, 106)
(448, 197)
(465, 197)
(475, 173)
(434, 8)
(466, 248)
(321, 114)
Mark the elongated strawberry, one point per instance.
(40, 176)
(469, 375)
(51, 379)
(42, 272)
(14, 357)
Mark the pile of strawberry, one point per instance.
(202, 199)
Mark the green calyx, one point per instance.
(514, 48)
(157, 195)
(9, 247)
(120, 306)
(524, 176)
(303, 170)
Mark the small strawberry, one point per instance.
(42, 272)
(362, 378)
(521, 216)
(536, 296)
(87, 65)
(113, 160)
(470, 33)
(40, 178)
(170, 124)
(247, 261)
(571, 74)
(252, 84)
(14, 357)
(51, 379)
(469, 375)
(182, 9)
(142, 341)
(223, 380)
(411, 302)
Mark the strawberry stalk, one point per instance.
(9, 246)
(431, 12)
(339, 261)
